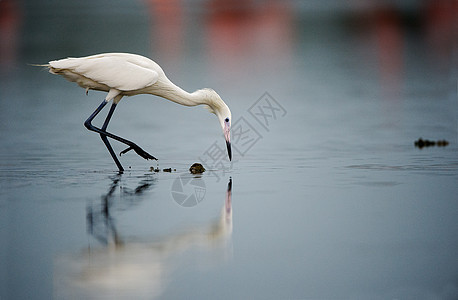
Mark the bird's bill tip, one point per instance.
(229, 150)
(227, 137)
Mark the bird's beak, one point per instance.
(227, 136)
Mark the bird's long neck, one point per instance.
(176, 94)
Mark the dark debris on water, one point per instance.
(421, 143)
(196, 168)
(169, 170)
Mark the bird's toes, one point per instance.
(146, 155)
(125, 151)
(150, 156)
(143, 153)
(139, 151)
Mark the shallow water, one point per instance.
(328, 196)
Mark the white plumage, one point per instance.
(121, 71)
(125, 74)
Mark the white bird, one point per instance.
(124, 74)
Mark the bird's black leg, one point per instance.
(88, 123)
(104, 134)
(105, 139)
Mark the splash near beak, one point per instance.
(227, 136)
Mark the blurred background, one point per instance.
(333, 200)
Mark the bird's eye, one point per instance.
(227, 120)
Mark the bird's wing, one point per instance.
(123, 73)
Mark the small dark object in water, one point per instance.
(152, 169)
(427, 143)
(197, 168)
(424, 143)
(442, 143)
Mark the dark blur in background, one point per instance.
(234, 30)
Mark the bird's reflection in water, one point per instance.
(100, 222)
(135, 269)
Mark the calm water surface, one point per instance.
(326, 198)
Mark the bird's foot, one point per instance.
(139, 151)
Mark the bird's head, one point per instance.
(216, 105)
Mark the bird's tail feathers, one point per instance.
(44, 66)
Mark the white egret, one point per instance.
(124, 74)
